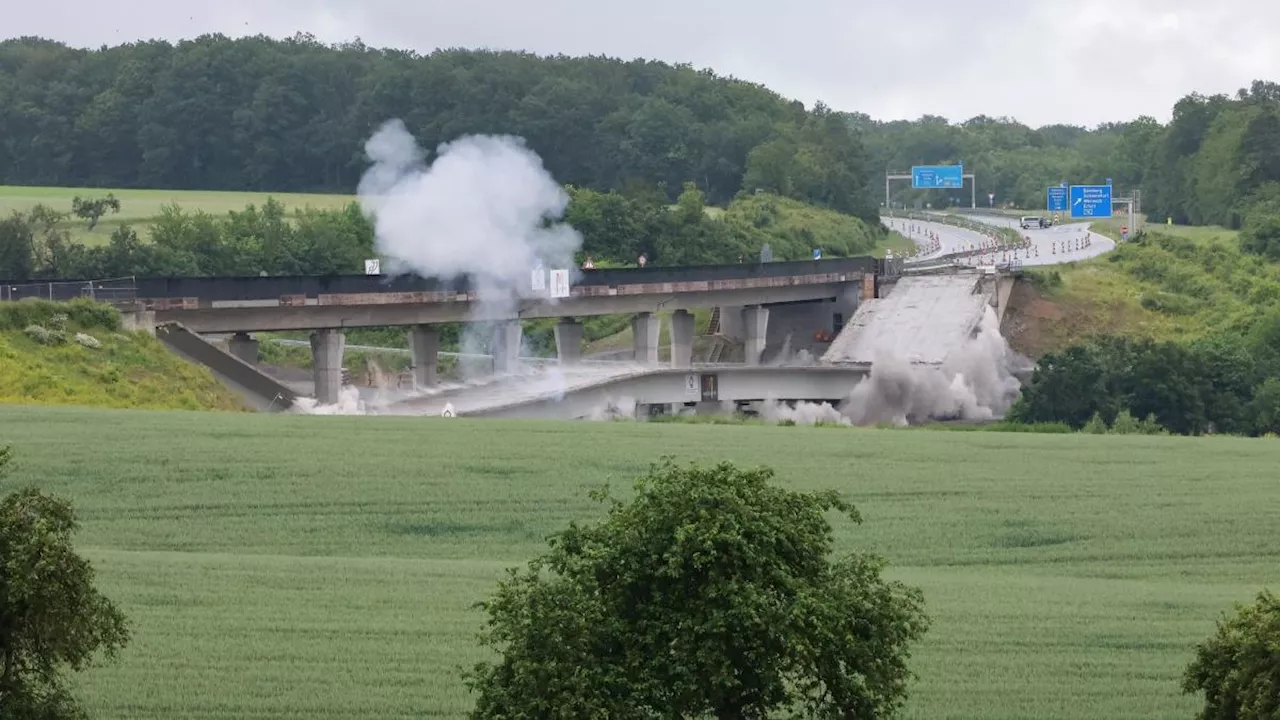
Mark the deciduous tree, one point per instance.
(711, 593)
(52, 618)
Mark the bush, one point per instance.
(1238, 669)
(81, 313)
(1095, 426)
(88, 341)
(39, 334)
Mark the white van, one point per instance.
(1032, 221)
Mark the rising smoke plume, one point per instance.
(486, 209)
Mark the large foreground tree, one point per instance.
(51, 616)
(712, 593)
(1238, 669)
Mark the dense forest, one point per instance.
(628, 139)
(292, 115)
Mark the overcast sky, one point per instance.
(1041, 61)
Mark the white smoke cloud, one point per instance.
(486, 209)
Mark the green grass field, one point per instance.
(138, 207)
(304, 567)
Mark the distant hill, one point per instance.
(292, 116)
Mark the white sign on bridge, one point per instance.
(373, 267)
(559, 283)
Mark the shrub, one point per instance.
(1095, 426)
(39, 334)
(88, 341)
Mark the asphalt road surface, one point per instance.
(1049, 246)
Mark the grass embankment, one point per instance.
(56, 365)
(286, 566)
(1171, 283)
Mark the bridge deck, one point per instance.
(582, 394)
(923, 320)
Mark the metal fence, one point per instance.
(109, 290)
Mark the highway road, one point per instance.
(1050, 246)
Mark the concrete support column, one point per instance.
(569, 341)
(424, 344)
(506, 346)
(681, 339)
(243, 346)
(139, 321)
(644, 329)
(755, 322)
(326, 360)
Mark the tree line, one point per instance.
(617, 227)
(215, 113)
(292, 115)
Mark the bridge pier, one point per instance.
(424, 344)
(139, 321)
(506, 346)
(755, 323)
(644, 329)
(682, 339)
(569, 341)
(326, 360)
(243, 346)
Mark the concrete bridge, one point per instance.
(802, 296)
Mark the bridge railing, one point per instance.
(214, 289)
(110, 290)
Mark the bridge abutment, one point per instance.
(755, 323)
(424, 344)
(682, 339)
(506, 346)
(644, 330)
(326, 360)
(244, 346)
(569, 341)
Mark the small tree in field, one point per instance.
(1238, 669)
(92, 209)
(51, 616)
(711, 593)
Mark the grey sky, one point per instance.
(1041, 61)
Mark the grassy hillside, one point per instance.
(792, 222)
(292, 566)
(59, 366)
(1171, 283)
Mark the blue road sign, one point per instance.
(1057, 199)
(1090, 201)
(937, 177)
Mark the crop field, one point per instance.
(304, 567)
(139, 207)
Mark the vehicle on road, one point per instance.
(1032, 221)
